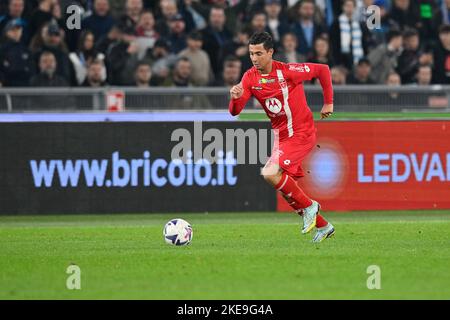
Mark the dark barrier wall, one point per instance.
(49, 168)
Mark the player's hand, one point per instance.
(237, 91)
(327, 110)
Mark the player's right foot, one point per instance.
(309, 217)
(323, 233)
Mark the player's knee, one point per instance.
(271, 174)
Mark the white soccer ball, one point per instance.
(178, 232)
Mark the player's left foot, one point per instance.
(309, 217)
(323, 233)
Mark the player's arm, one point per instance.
(300, 72)
(240, 94)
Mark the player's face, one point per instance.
(261, 58)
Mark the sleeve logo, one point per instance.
(299, 68)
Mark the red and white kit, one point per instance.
(282, 96)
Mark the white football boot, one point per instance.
(324, 233)
(309, 217)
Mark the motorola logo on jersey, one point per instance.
(274, 105)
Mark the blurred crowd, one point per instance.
(204, 42)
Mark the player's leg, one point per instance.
(302, 204)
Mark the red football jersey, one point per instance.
(282, 96)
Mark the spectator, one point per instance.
(258, 22)
(445, 11)
(405, 14)
(441, 72)
(129, 20)
(424, 75)
(231, 74)
(408, 62)
(239, 48)
(181, 75)
(305, 28)
(424, 16)
(288, 53)
(215, 38)
(41, 15)
(362, 13)
(47, 76)
(16, 11)
(349, 37)
(177, 34)
(143, 75)
(84, 55)
(121, 57)
(192, 17)
(161, 61)
(339, 75)
(101, 21)
(328, 10)
(233, 10)
(384, 59)
(277, 26)
(95, 75)
(321, 52)
(16, 63)
(361, 74)
(168, 9)
(386, 24)
(201, 66)
(53, 42)
(430, 20)
(146, 34)
(113, 35)
(133, 10)
(393, 80)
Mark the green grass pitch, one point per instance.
(232, 256)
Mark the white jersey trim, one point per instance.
(287, 109)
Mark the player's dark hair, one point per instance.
(262, 38)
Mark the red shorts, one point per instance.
(290, 153)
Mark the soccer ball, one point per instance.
(178, 232)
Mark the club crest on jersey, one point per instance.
(264, 81)
(274, 105)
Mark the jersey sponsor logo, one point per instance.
(273, 105)
(256, 88)
(265, 81)
(299, 68)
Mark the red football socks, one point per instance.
(320, 221)
(288, 186)
(296, 198)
